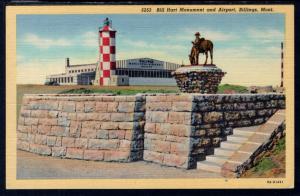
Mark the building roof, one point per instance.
(78, 65)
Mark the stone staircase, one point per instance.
(240, 147)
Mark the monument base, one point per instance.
(199, 78)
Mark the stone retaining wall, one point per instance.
(90, 127)
(168, 130)
(173, 129)
(182, 129)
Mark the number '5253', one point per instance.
(146, 9)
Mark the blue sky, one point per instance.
(246, 46)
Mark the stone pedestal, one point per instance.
(198, 79)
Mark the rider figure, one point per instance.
(198, 40)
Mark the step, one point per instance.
(236, 137)
(220, 159)
(209, 166)
(231, 145)
(223, 151)
(239, 131)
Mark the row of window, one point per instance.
(167, 65)
(62, 80)
(82, 70)
(145, 73)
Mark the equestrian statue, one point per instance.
(201, 45)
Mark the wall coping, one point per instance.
(181, 97)
(148, 94)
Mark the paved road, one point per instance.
(30, 166)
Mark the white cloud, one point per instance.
(83, 59)
(44, 43)
(89, 39)
(265, 35)
(34, 71)
(157, 46)
(234, 52)
(187, 34)
(250, 71)
(166, 51)
(273, 50)
(136, 43)
(159, 55)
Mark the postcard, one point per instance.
(149, 96)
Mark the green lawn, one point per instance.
(117, 91)
(272, 163)
(222, 89)
(227, 87)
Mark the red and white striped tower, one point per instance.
(107, 49)
(281, 83)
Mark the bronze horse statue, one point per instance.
(205, 46)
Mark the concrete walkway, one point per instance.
(33, 166)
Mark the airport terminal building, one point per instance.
(139, 71)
